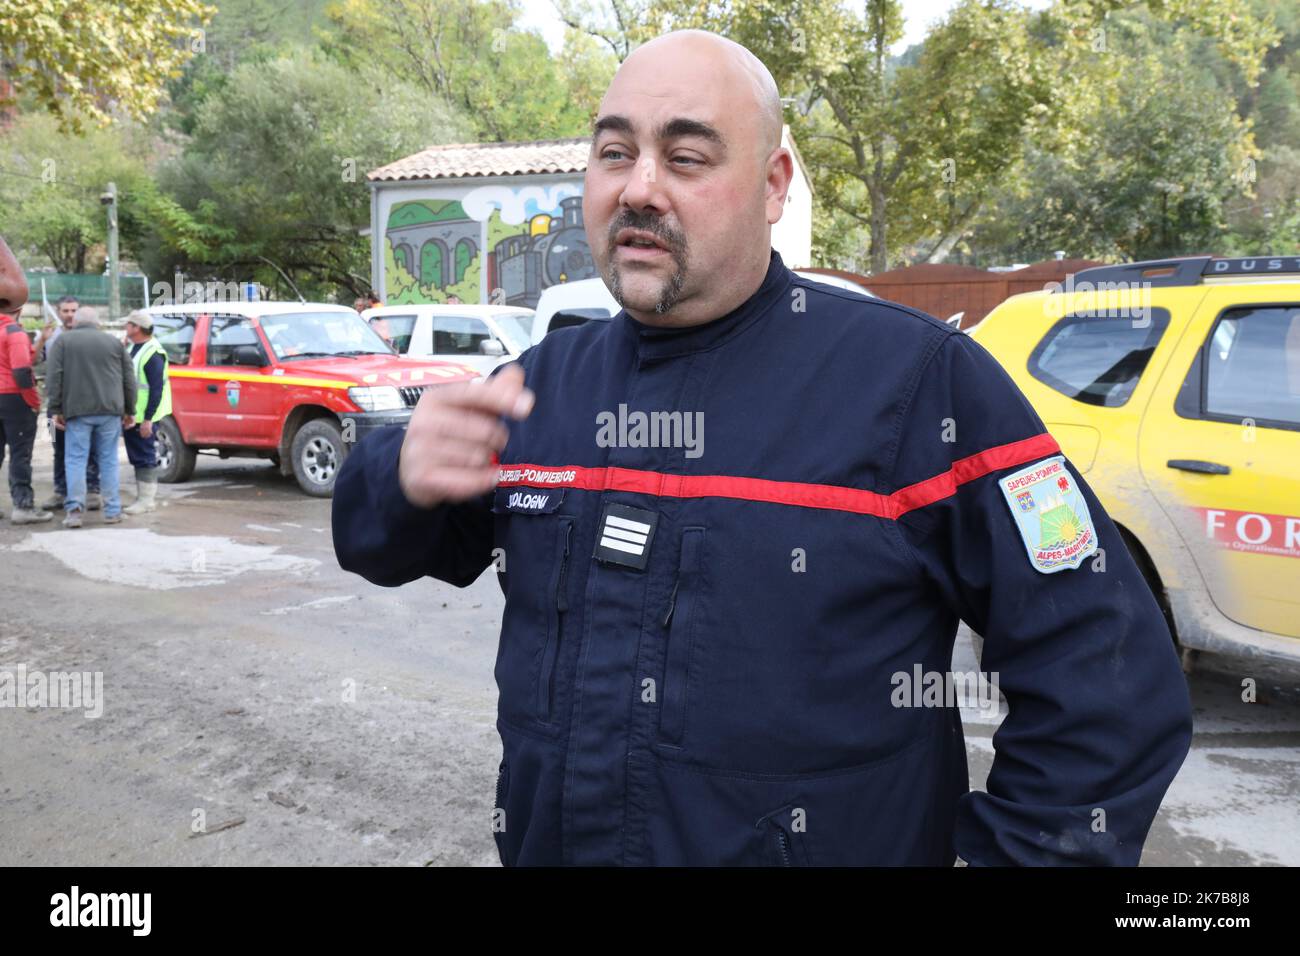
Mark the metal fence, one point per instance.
(47, 288)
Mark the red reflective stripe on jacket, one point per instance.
(797, 493)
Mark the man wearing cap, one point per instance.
(153, 401)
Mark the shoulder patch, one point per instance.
(1051, 514)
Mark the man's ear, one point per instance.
(780, 173)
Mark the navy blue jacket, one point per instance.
(706, 651)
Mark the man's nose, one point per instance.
(643, 190)
(13, 284)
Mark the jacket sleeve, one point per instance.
(153, 374)
(20, 353)
(54, 379)
(1099, 717)
(381, 536)
(129, 386)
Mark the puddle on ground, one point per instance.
(140, 558)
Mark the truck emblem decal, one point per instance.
(232, 393)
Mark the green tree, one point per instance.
(1265, 217)
(1147, 159)
(618, 25)
(904, 151)
(909, 153)
(87, 58)
(51, 181)
(279, 156)
(468, 54)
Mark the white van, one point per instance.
(572, 303)
(839, 282)
(480, 336)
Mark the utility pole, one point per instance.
(109, 199)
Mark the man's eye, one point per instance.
(613, 154)
(686, 159)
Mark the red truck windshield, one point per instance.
(317, 334)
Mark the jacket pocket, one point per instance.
(897, 809)
(679, 625)
(558, 611)
(535, 578)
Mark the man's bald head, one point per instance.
(686, 176)
(735, 64)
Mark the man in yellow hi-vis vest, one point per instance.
(153, 402)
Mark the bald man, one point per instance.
(737, 527)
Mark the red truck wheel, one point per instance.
(175, 458)
(318, 452)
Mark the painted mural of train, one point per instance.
(522, 266)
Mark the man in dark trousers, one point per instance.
(92, 388)
(737, 527)
(153, 402)
(67, 307)
(19, 400)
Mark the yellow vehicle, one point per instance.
(1174, 387)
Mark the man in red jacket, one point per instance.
(19, 400)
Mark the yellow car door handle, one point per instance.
(1202, 467)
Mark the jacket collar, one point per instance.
(655, 343)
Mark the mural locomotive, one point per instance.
(434, 247)
(523, 265)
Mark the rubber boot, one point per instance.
(145, 494)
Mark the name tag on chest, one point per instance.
(528, 501)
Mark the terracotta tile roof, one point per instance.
(489, 159)
(507, 159)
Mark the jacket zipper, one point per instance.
(678, 637)
(672, 602)
(501, 778)
(499, 805)
(546, 678)
(782, 845)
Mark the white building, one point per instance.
(467, 219)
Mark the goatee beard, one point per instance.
(676, 247)
(668, 295)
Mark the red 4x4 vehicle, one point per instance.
(292, 382)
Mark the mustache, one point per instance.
(629, 219)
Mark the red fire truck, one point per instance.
(296, 383)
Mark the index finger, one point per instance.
(502, 394)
